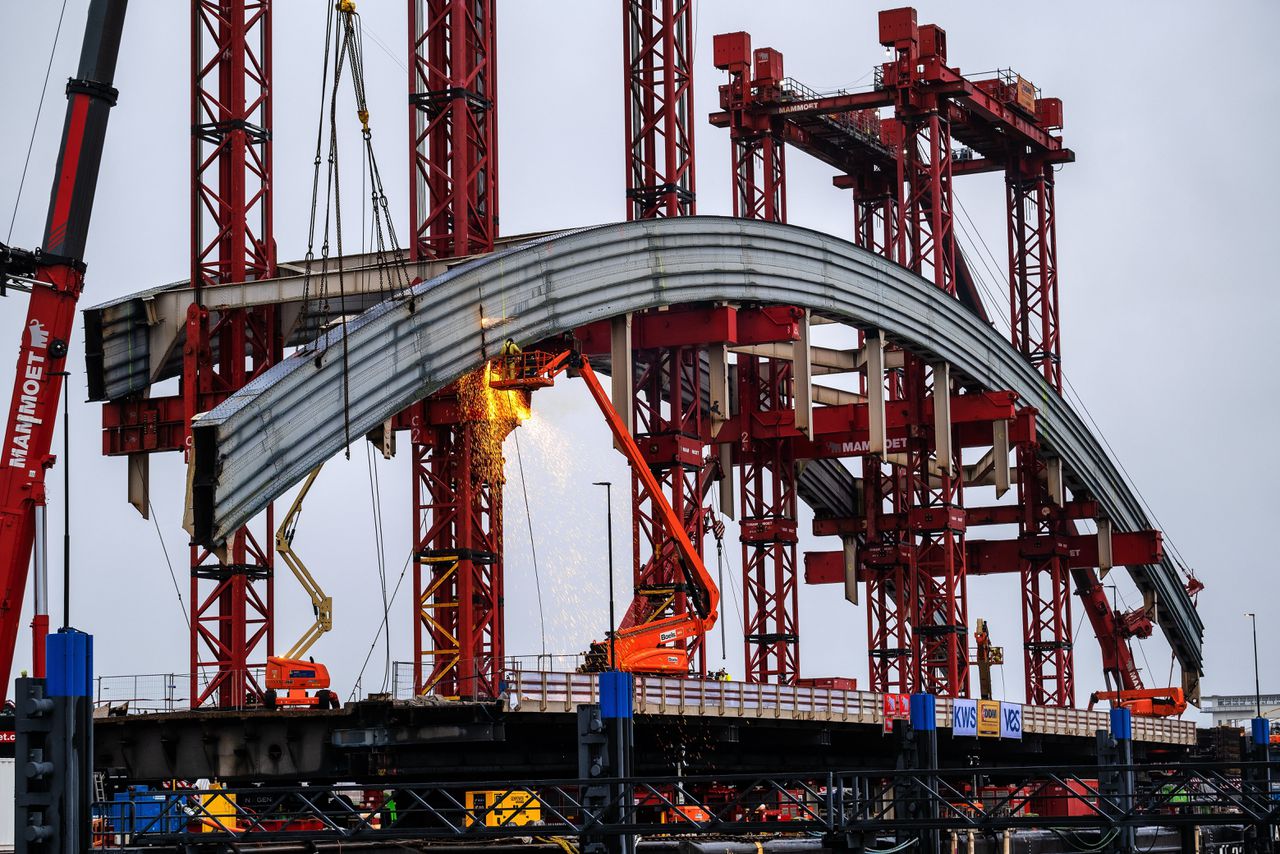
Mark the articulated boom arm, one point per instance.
(57, 277)
(643, 648)
(320, 603)
(1118, 666)
(657, 646)
(1152, 702)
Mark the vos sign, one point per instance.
(1010, 720)
(964, 717)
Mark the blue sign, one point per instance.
(964, 717)
(1010, 720)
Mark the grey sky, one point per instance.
(1165, 226)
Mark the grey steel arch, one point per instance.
(268, 435)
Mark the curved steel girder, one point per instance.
(268, 435)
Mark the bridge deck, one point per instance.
(546, 691)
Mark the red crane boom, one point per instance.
(56, 273)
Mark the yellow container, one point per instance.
(218, 813)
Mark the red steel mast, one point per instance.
(232, 593)
(457, 481)
(670, 422)
(767, 465)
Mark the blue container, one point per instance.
(142, 811)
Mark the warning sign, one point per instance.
(896, 707)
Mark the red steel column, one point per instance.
(658, 69)
(670, 424)
(1033, 267)
(766, 468)
(231, 241)
(890, 593)
(925, 238)
(457, 630)
(1033, 299)
(1046, 594)
(885, 552)
(453, 127)
(457, 464)
(935, 519)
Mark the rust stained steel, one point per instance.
(267, 436)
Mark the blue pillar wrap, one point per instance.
(924, 712)
(617, 694)
(1122, 724)
(69, 664)
(1261, 731)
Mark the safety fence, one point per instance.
(164, 692)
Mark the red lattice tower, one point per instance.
(766, 469)
(658, 67)
(457, 631)
(1046, 592)
(1033, 298)
(670, 432)
(231, 241)
(457, 497)
(884, 548)
(669, 418)
(770, 591)
(453, 127)
(1033, 265)
(926, 244)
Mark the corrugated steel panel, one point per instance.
(266, 437)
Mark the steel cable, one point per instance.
(39, 110)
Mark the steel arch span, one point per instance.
(267, 436)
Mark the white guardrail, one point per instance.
(543, 691)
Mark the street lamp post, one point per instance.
(1257, 683)
(608, 515)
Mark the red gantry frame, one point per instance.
(910, 541)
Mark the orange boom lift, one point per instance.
(1152, 702)
(658, 646)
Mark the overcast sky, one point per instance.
(1165, 227)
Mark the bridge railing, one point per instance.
(548, 691)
